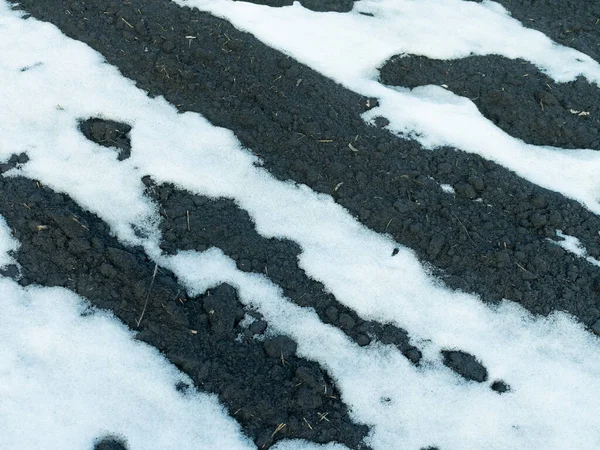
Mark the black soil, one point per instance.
(465, 365)
(513, 94)
(573, 23)
(490, 238)
(261, 381)
(108, 133)
(110, 443)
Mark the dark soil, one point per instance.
(573, 23)
(497, 247)
(262, 384)
(513, 94)
(193, 222)
(110, 443)
(108, 133)
(466, 365)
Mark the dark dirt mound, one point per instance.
(108, 133)
(466, 365)
(496, 247)
(513, 94)
(14, 161)
(110, 443)
(573, 23)
(262, 384)
(315, 5)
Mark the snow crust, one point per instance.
(350, 47)
(551, 364)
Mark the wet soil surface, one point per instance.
(573, 23)
(513, 94)
(491, 238)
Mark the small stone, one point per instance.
(346, 322)
(477, 182)
(363, 340)
(466, 190)
(258, 327)
(381, 122)
(280, 346)
(465, 364)
(500, 386)
(22, 158)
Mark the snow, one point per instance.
(56, 361)
(350, 47)
(574, 245)
(448, 189)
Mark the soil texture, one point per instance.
(492, 237)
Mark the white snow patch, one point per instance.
(350, 47)
(447, 188)
(574, 245)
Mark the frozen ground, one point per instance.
(72, 363)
